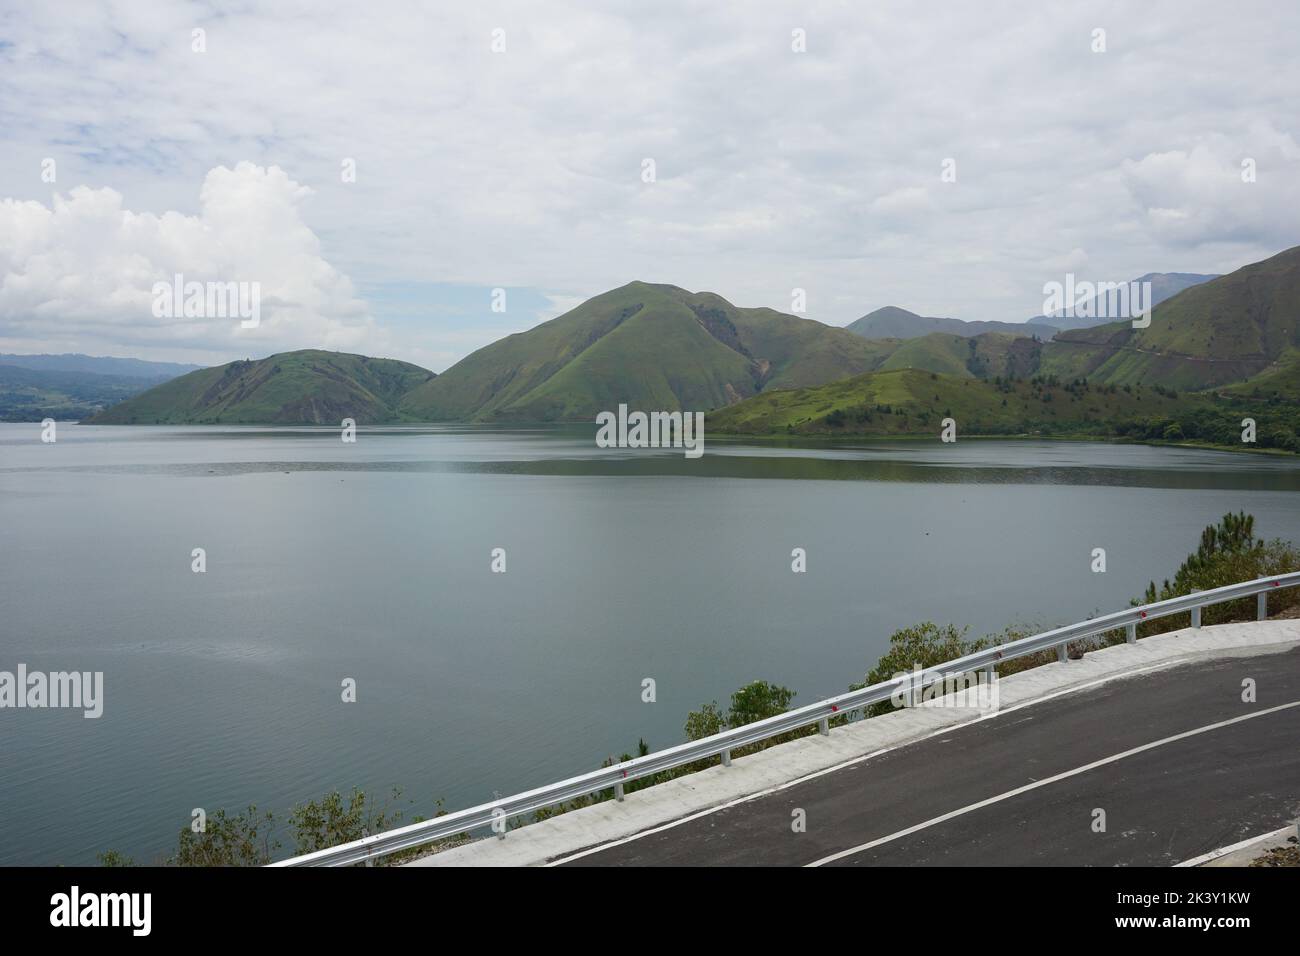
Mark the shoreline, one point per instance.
(1069, 437)
(757, 437)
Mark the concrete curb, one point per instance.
(785, 765)
(1247, 851)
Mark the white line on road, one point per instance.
(1044, 782)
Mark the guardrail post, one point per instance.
(989, 673)
(726, 758)
(1261, 605)
(1196, 617)
(1132, 633)
(824, 727)
(1062, 654)
(618, 792)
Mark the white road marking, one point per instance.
(704, 813)
(1163, 665)
(1048, 780)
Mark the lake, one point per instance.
(372, 561)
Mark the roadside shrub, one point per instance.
(926, 644)
(757, 700)
(332, 820)
(240, 840)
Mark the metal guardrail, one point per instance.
(721, 744)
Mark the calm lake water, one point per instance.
(371, 560)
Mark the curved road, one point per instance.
(1021, 788)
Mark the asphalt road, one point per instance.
(1167, 803)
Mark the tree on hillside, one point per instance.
(1228, 553)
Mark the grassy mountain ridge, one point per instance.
(988, 355)
(893, 322)
(914, 402)
(1280, 382)
(310, 386)
(1214, 333)
(1208, 333)
(649, 345)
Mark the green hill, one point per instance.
(990, 355)
(651, 346)
(309, 387)
(913, 402)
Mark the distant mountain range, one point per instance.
(1164, 285)
(896, 323)
(34, 387)
(1214, 331)
(660, 347)
(99, 365)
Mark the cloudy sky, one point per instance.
(522, 168)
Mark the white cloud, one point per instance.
(1072, 261)
(899, 207)
(84, 268)
(1201, 194)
